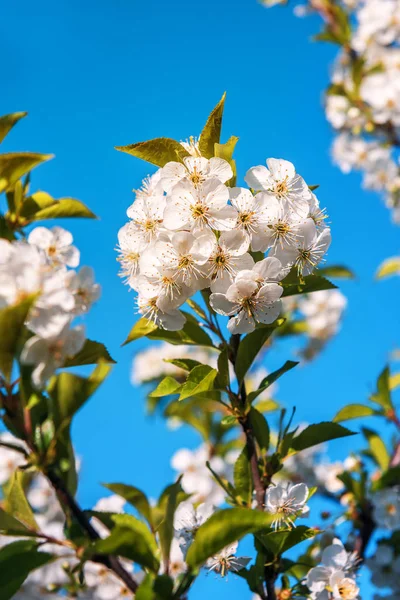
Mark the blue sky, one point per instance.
(99, 73)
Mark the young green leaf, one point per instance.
(223, 528)
(168, 503)
(167, 387)
(383, 396)
(91, 353)
(251, 345)
(17, 560)
(318, 433)
(270, 379)
(212, 130)
(279, 542)
(12, 319)
(7, 122)
(336, 271)
(141, 328)
(200, 380)
(15, 165)
(41, 206)
(131, 539)
(134, 496)
(260, 428)
(311, 283)
(377, 448)
(159, 151)
(389, 267)
(16, 502)
(354, 411)
(242, 477)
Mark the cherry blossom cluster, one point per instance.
(42, 267)
(190, 231)
(335, 577)
(363, 100)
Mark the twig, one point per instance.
(66, 500)
(270, 585)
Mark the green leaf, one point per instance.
(197, 308)
(12, 319)
(91, 353)
(17, 560)
(250, 346)
(16, 502)
(191, 334)
(187, 364)
(9, 525)
(270, 379)
(69, 391)
(394, 381)
(40, 206)
(134, 496)
(377, 448)
(167, 387)
(336, 271)
(223, 378)
(319, 433)
(145, 589)
(140, 329)
(383, 396)
(168, 503)
(242, 476)
(212, 130)
(260, 428)
(280, 541)
(353, 411)
(159, 151)
(223, 528)
(7, 122)
(389, 267)
(131, 539)
(225, 151)
(15, 165)
(389, 478)
(200, 380)
(312, 283)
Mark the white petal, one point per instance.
(221, 305)
(220, 168)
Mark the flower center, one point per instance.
(348, 590)
(199, 212)
(196, 177)
(391, 509)
(281, 188)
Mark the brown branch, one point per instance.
(67, 500)
(270, 585)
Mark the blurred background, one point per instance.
(101, 73)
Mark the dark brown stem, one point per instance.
(67, 500)
(366, 530)
(270, 585)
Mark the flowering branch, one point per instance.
(68, 502)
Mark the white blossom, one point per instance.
(226, 560)
(196, 170)
(57, 244)
(386, 505)
(286, 501)
(48, 354)
(280, 179)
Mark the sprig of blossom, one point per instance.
(38, 268)
(190, 231)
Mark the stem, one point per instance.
(67, 500)
(270, 585)
(248, 431)
(365, 532)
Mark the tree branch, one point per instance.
(67, 500)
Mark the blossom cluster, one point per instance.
(363, 104)
(41, 269)
(188, 230)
